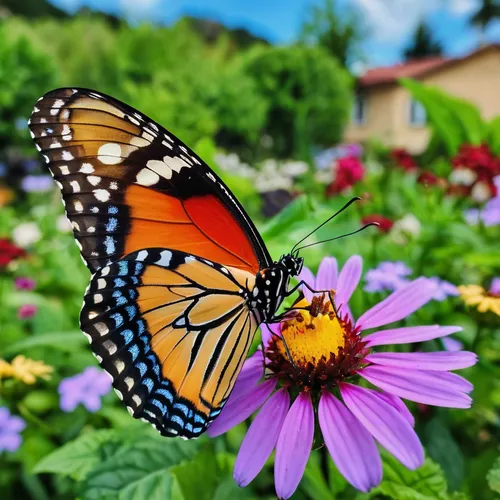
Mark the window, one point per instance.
(359, 109)
(418, 116)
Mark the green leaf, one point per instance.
(139, 470)
(77, 457)
(66, 341)
(493, 476)
(443, 448)
(314, 484)
(399, 483)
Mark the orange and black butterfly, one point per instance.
(181, 277)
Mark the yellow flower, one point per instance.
(484, 301)
(25, 369)
(6, 370)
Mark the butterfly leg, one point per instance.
(303, 283)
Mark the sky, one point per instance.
(389, 23)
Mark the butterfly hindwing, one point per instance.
(173, 331)
(129, 184)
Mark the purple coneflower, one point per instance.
(27, 311)
(86, 388)
(315, 358)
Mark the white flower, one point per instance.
(63, 224)
(294, 168)
(481, 192)
(463, 176)
(26, 234)
(324, 176)
(405, 229)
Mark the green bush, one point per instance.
(307, 93)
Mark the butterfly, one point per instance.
(181, 278)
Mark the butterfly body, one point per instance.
(181, 278)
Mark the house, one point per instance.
(384, 110)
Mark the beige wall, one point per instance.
(476, 79)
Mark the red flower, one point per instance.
(349, 171)
(429, 179)
(9, 252)
(404, 160)
(482, 164)
(384, 224)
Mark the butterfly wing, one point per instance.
(128, 184)
(173, 331)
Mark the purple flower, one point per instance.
(86, 388)
(442, 289)
(23, 283)
(317, 362)
(451, 344)
(37, 183)
(387, 276)
(27, 311)
(10, 429)
(495, 286)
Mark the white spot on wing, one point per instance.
(165, 258)
(110, 153)
(147, 178)
(94, 180)
(102, 195)
(142, 255)
(78, 206)
(87, 168)
(101, 328)
(66, 155)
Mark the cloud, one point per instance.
(136, 10)
(463, 7)
(391, 20)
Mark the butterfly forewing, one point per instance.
(129, 184)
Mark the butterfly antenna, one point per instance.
(339, 237)
(347, 205)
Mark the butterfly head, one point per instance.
(292, 263)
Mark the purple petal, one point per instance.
(409, 334)
(432, 388)
(250, 374)
(348, 279)
(307, 276)
(351, 446)
(92, 402)
(14, 424)
(10, 442)
(399, 405)
(69, 401)
(239, 410)
(269, 330)
(400, 304)
(326, 279)
(385, 424)
(439, 361)
(451, 344)
(294, 446)
(261, 438)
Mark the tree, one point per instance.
(308, 97)
(489, 11)
(423, 44)
(340, 35)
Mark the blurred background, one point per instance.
(298, 105)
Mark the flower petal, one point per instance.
(409, 334)
(239, 410)
(294, 446)
(268, 330)
(307, 276)
(351, 446)
(14, 424)
(399, 405)
(431, 388)
(348, 279)
(400, 304)
(261, 438)
(451, 344)
(250, 374)
(326, 279)
(438, 361)
(385, 424)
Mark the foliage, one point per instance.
(423, 43)
(307, 95)
(339, 35)
(489, 10)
